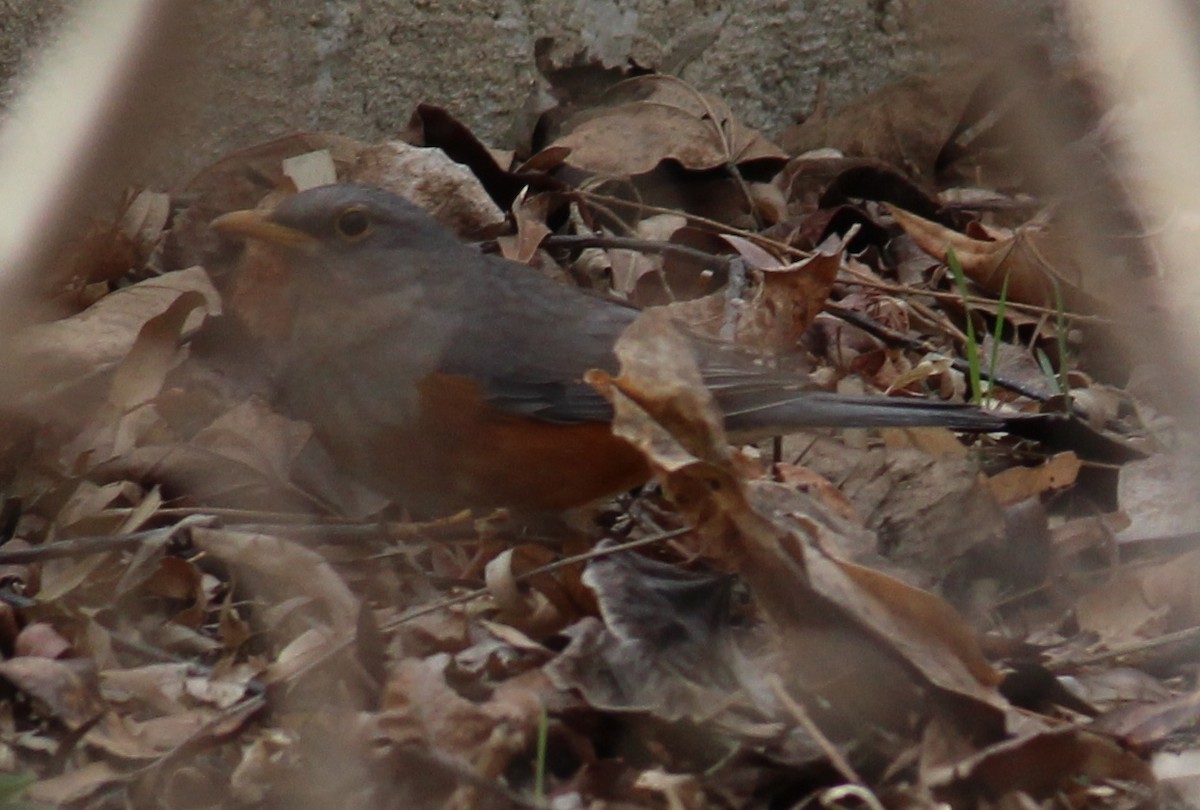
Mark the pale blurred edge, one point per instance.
(1148, 56)
(85, 118)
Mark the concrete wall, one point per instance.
(357, 67)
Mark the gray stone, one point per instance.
(358, 67)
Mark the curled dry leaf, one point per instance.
(432, 126)
(649, 279)
(1030, 260)
(649, 119)
(530, 214)
(82, 513)
(51, 361)
(65, 690)
(1062, 764)
(783, 304)
(529, 609)
(665, 646)
(76, 784)
(276, 569)
(639, 277)
(1143, 602)
(928, 512)
(680, 791)
(1018, 483)
(141, 374)
(678, 402)
(419, 706)
(179, 581)
(887, 641)
(907, 123)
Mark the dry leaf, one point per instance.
(780, 308)
(882, 638)
(1029, 261)
(76, 784)
(530, 214)
(1018, 483)
(49, 362)
(907, 123)
(650, 119)
(310, 170)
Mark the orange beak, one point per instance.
(257, 226)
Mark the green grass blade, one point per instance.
(973, 366)
(539, 773)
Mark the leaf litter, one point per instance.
(198, 606)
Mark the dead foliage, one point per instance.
(198, 607)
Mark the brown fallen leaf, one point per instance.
(1018, 483)
(272, 567)
(928, 512)
(539, 607)
(1143, 602)
(907, 123)
(240, 180)
(870, 643)
(65, 690)
(433, 126)
(649, 119)
(40, 639)
(52, 363)
(530, 214)
(1064, 764)
(245, 457)
(419, 706)
(76, 784)
(1158, 496)
(111, 249)
(1141, 725)
(664, 645)
(1030, 260)
(783, 302)
(675, 277)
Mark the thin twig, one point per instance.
(1128, 648)
(859, 277)
(443, 604)
(545, 569)
(895, 338)
(204, 736)
(839, 762)
(719, 126)
(84, 546)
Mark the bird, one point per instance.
(446, 378)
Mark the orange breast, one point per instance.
(462, 454)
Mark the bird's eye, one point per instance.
(352, 223)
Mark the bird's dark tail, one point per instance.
(754, 417)
(750, 416)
